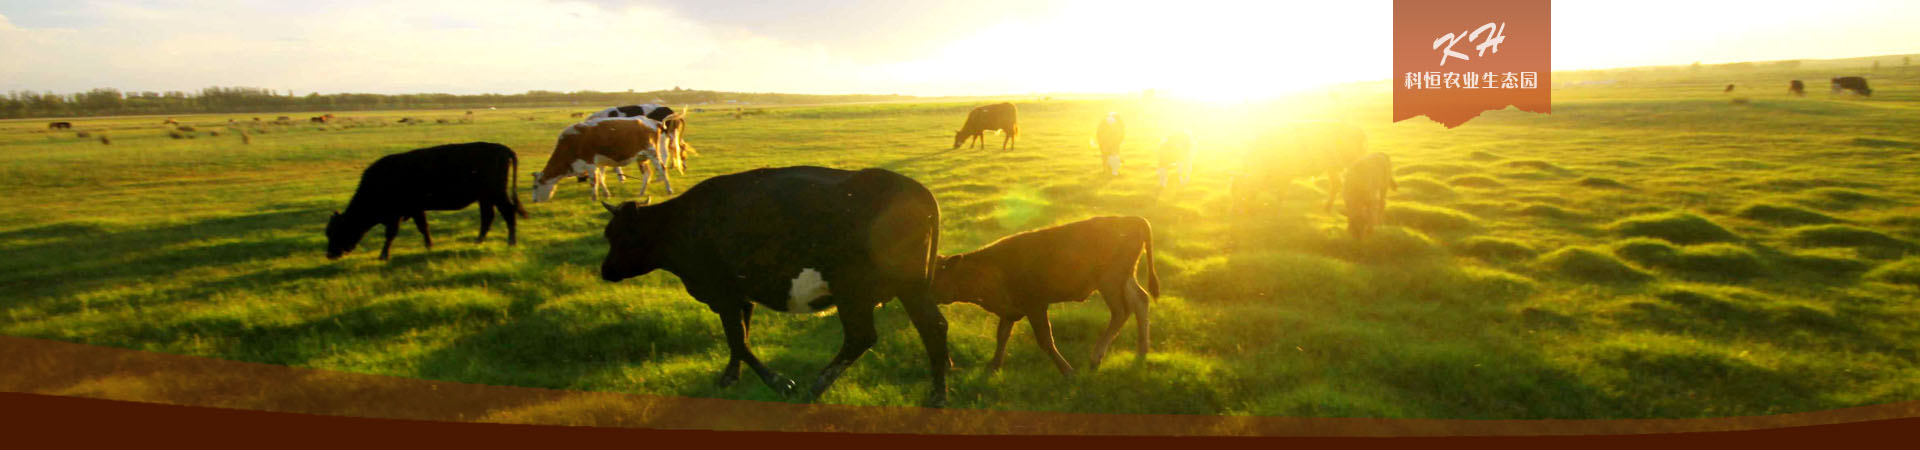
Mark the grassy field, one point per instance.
(1651, 249)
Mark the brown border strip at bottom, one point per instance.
(66, 369)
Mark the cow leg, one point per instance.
(734, 323)
(486, 220)
(856, 327)
(622, 173)
(1137, 302)
(1000, 341)
(420, 222)
(393, 230)
(1043, 334)
(933, 334)
(1118, 310)
(1333, 189)
(659, 166)
(507, 211)
(731, 374)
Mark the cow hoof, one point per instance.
(936, 400)
(728, 378)
(781, 385)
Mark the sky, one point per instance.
(1205, 49)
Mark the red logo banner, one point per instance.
(1453, 60)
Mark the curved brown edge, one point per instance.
(63, 369)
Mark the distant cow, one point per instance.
(405, 186)
(282, 119)
(1176, 156)
(60, 125)
(1305, 149)
(1107, 137)
(1797, 88)
(1367, 183)
(1856, 85)
(317, 119)
(801, 240)
(578, 114)
(1018, 276)
(169, 121)
(585, 147)
(998, 116)
(1728, 90)
(670, 135)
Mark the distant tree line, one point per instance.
(108, 101)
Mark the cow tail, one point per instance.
(513, 184)
(1153, 277)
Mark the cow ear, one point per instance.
(610, 208)
(336, 213)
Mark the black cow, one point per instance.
(60, 125)
(1797, 88)
(405, 186)
(1856, 84)
(798, 240)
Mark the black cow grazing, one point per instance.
(1856, 85)
(998, 116)
(1797, 88)
(797, 240)
(60, 125)
(1018, 276)
(405, 186)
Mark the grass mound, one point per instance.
(1602, 183)
(1591, 265)
(1436, 169)
(1822, 263)
(1778, 214)
(1905, 272)
(1534, 164)
(1476, 181)
(1422, 186)
(1884, 143)
(1713, 260)
(1847, 236)
(1839, 199)
(1678, 227)
(1429, 218)
(1547, 211)
(1495, 249)
(1478, 155)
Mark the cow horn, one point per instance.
(610, 207)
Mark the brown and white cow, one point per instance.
(1367, 183)
(673, 124)
(583, 148)
(1303, 149)
(1107, 137)
(1018, 276)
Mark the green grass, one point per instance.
(1757, 262)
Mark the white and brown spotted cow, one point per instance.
(585, 147)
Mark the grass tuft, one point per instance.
(1678, 227)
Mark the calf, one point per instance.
(1855, 85)
(405, 186)
(60, 125)
(1367, 184)
(1018, 276)
(999, 116)
(798, 240)
(585, 147)
(1107, 137)
(1304, 149)
(1176, 154)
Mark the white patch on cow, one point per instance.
(580, 167)
(1113, 162)
(805, 288)
(1112, 117)
(543, 189)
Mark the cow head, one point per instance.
(342, 236)
(955, 276)
(959, 138)
(543, 189)
(633, 241)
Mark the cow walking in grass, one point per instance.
(999, 116)
(1018, 276)
(404, 186)
(1856, 85)
(1367, 183)
(585, 147)
(60, 125)
(1305, 149)
(672, 125)
(1107, 137)
(800, 240)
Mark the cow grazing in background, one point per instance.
(1855, 85)
(1018, 276)
(585, 147)
(1367, 183)
(405, 186)
(1797, 88)
(671, 140)
(170, 121)
(1728, 90)
(1107, 137)
(60, 125)
(998, 116)
(1176, 156)
(1304, 149)
(800, 240)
